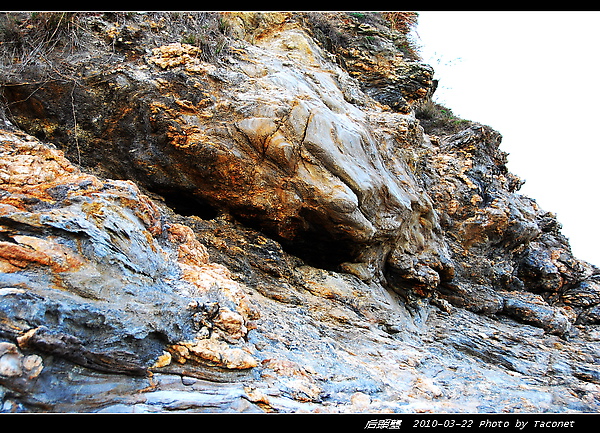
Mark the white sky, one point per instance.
(535, 78)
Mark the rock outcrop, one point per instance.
(228, 212)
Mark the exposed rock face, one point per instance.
(280, 234)
(274, 136)
(79, 254)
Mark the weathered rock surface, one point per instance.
(258, 222)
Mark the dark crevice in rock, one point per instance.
(311, 249)
(315, 247)
(187, 204)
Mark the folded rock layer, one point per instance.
(257, 218)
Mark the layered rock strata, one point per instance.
(280, 231)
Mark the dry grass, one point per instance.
(437, 119)
(26, 37)
(29, 37)
(403, 22)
